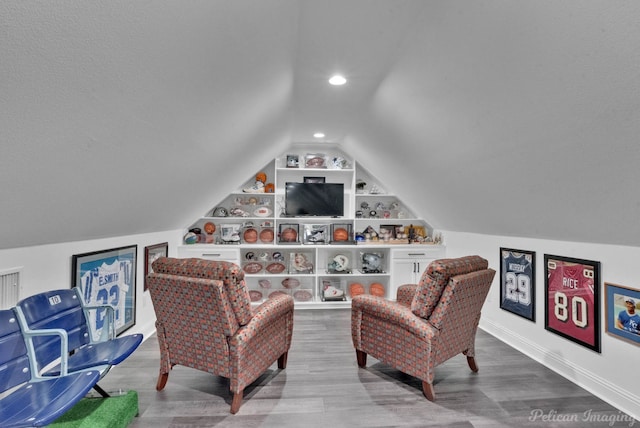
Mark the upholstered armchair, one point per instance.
(204, 320)
(429, 322)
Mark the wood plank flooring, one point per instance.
(323, 387)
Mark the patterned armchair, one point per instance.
(204, 320)
(428, 323)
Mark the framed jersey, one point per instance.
(572, 299)
(517, 282)
(108, 277)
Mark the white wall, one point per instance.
(48, 267)
(612, 374)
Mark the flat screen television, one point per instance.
(314, 199)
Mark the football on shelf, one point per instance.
(255, 295)
(277, 293)
(253, 267)
(290, 283)
(302, 295)
(264, 283)
(275, 268)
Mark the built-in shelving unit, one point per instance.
(379, 237)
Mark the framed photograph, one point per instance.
(622, 309)
(314, 179)
(572, 299)
(292, 161)
(151, 254)
(300, 262)
(108, 277)
(518, 282)
(389, 230)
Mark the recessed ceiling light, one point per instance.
(337, 80)
(318, 135)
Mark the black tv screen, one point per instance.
(314, 199)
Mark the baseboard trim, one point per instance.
(624, 400)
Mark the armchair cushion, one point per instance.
(436, 277)
(229, 273)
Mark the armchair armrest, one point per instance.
(405, 294)
(392, 312)
(266, 314)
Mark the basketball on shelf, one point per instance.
(356, 289)
(340, 234)
(209, 228)
(376, 289)
(266, 235)
(250, 235)
(289, 235)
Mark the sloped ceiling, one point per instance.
(508, 118)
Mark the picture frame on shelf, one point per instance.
(151, 254)
(622, 312)
(388, 231)
(289, 233)
(108, 277)
(517, 282)
(316, 234)
(301, 262)
(572, 299)
(293, 161)
(314, 179)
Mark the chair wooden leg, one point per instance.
(282, 361)
(236, 402)
(162, 381)
(472, 364)
(427, 390)
(361, 357)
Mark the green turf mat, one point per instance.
(112, 412)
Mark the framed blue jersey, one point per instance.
(517, 282)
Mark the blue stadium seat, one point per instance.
(64, 311)
(26, 398)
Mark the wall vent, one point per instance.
(9, 288)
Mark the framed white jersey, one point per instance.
(572, 299)
(517, 282)
(108, 278)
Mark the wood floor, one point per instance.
(323, 387)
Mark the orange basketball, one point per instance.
(289, 235)
(250, 235)
(340, 234)
(209, 227)
(377, 289)
(266, 235)
(356, 289)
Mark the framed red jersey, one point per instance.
(572, 299)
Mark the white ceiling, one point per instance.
(516, 118)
